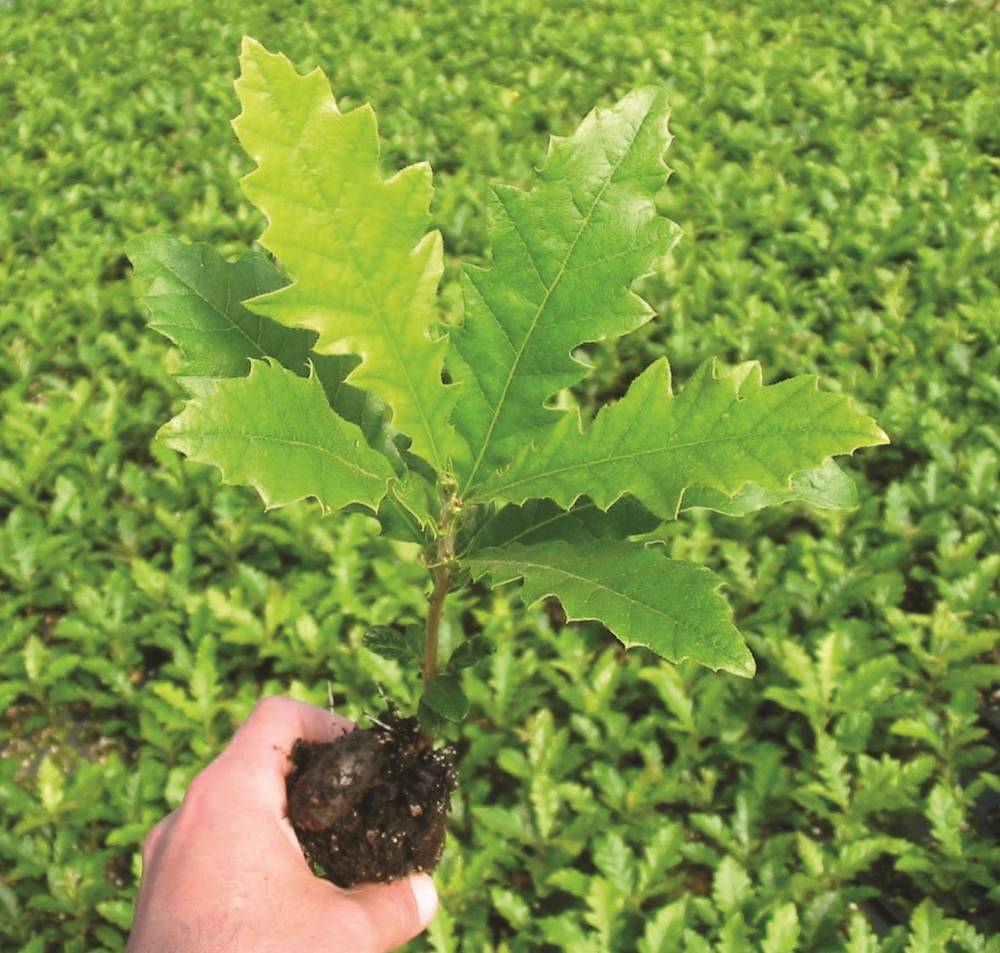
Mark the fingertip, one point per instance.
(426, 896)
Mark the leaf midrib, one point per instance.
(240, 437)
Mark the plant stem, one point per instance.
(443, 577)
(435, 610)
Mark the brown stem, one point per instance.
(435, 610)
(443, 578)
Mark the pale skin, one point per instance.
(224, 872)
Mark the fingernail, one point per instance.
(426, 896)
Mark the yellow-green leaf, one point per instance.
(365, 268)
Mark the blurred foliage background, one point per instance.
(836, 172)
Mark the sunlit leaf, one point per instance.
(365, 269)
(724, 430)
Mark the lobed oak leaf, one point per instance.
(275, 431)
(668, 605)
(565, 256)
(723, 431)
(365, 269)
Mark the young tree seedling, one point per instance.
(331, 377)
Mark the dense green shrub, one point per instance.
(836, 176)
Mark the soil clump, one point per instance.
(372, 805)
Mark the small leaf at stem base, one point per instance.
(394, 645)
(444, 694)
(472, 651)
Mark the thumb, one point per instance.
(397, 911)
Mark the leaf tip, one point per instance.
(743, 665)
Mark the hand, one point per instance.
(224, 872)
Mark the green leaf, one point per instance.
(35, 657)
(119, 912)
(276, 432)
(366, 270)
(565, 256)
(392, 644)
(724, 430)
(731, 885)
(542, 520)
(51, 785)
(782, 931)
(664, 929)
(930, 930)
(944, 811)
(471, 652)
(615, 861)
(512, 907)
(826, 487)
(194, 298)
(862, 938)
(359, 407)
(605, 902)
(444, 695)
(430, 721)
(670, 606)
(407, 510)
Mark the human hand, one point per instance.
(224, 872)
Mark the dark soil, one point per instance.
(371, 806)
